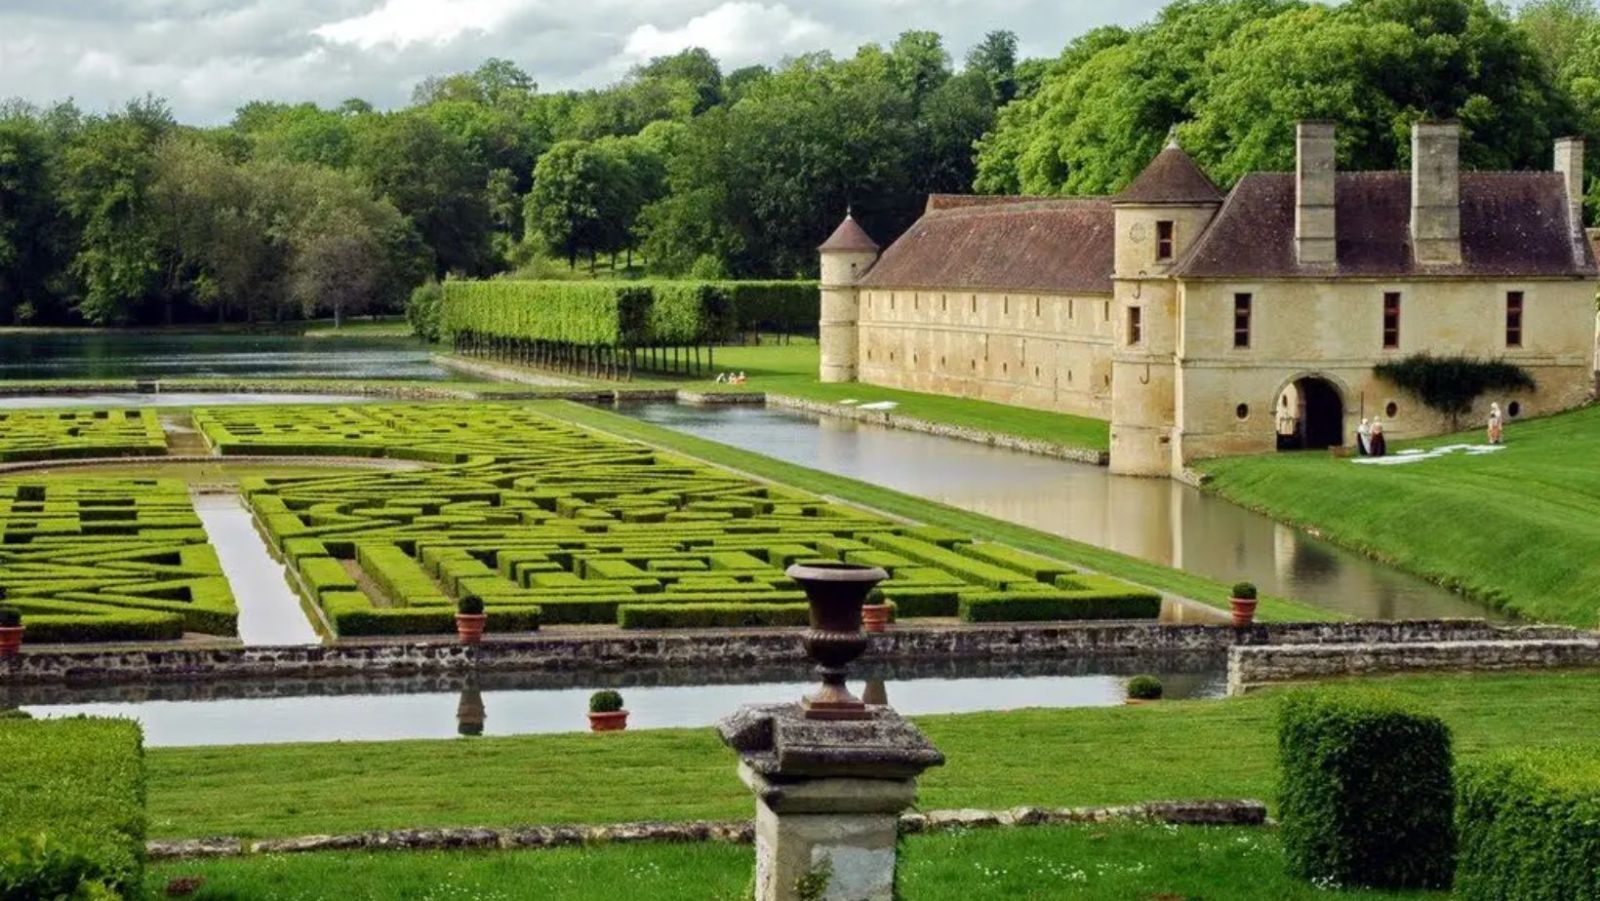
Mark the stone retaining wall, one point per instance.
(619, 650)
(1181, 813)
(1250, 667)
(910, 423)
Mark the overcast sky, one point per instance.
(209, 56)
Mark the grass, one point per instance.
(1516, 529)
(1107, 862)
(1046, 757)
(1122, 566)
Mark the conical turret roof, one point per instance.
(1171, 178)
(849, 237)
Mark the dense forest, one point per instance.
(295, 210)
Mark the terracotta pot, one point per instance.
(11, 640)
(611, 721)
(875, 617)
(1243, 610)
(469, 627)
(836, 592)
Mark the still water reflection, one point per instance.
(524, 703)
(1154, 519)
(158, 355)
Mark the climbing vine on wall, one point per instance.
(1450, 384)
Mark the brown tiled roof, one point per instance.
(849, 237)
(1053, 246)
(1171, 178)
(1512, 224)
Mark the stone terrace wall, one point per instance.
(1250, 667)
(740, 647)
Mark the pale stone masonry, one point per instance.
(1190, 318)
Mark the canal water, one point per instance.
(171, 355)
(1154, 519)
(269, 612)
(378, 709)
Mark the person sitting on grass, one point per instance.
(722, 378)
(738, 379)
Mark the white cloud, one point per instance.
(736, 33)
(401, 23)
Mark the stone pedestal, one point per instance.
(828, 798)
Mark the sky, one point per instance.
(207, 57)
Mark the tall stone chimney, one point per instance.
(1314, 212)
(1569, 162)
(1436, 193)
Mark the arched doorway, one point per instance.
(1321, 413)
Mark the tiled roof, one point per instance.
(1047, 245)
(849, 237)
(1512, 224)
(1171, 178)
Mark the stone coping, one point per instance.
(1254, 667)
(1179, 813)
(620, 650)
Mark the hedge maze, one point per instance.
(547, 522)
(76, 434)
(98, 559)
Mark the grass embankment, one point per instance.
(1109, 862)
(1066, 757)
(1517, 528)
(1122, 566)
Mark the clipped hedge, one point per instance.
(711, 616)
(686, 313)
(1367, 795)
(785, 307)
(608, 314)
(1081, 597)
(1529, 823)
(72, 795)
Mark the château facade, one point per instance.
(1200, 323)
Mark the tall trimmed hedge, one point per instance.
(1530, 826)
(595, 314)
(786, 307)
(1366, 794)
(72, 819)
(684, 313)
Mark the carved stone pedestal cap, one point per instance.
(778, 742)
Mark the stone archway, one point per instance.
(1321, 413)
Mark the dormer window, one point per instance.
(1164, 240)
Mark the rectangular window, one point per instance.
(1135, 325)
(1391, 319)
(1241, 320)
(1164, 239)
(1513, 318)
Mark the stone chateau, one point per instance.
(1202, 324)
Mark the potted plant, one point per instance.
(875, 612)
(1144, 689)
(1243, 604)
(10, 632)
(606, 713)
(470, 619)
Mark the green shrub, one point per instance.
(470, 606)
(1144, 688)
(605, 701)
(1449, 385)
(1366, 794)
(1244, 591)
(785, 307)
(1110, 600)
(710, 616)
(10, 617)
(1529, 823)
(588, 314)
(72, 792)
(424, 309)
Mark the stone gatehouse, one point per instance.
(1190, 318)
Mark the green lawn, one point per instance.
(1143, 572)
(1064, 757)
(1113, 862)
(1517, 528)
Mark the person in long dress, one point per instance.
(1364, 438)
(1496, 424)
(1376, 446)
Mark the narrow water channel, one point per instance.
(1154, 519)
(269, 612)
(378, 709)
(173, 399)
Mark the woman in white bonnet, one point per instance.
(1364, 438)
(1496, 424)
(1376, 445)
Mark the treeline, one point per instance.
(683, 169)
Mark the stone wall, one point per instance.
(623, 651)
(1249, 667)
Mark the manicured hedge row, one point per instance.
(530, 514)
(78, 434)
(711, 616)
(787, 307)
(1529, 824)
(1367, 792)
(607, 314)
(72, 796)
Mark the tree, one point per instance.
(995, 58)
(32, 240)
(576, 197)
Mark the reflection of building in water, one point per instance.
(470, 713)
